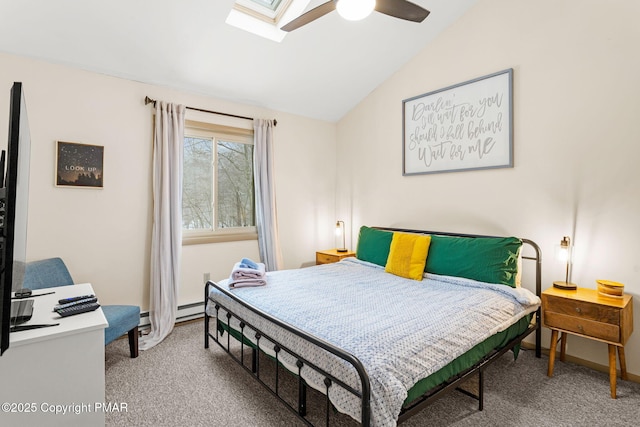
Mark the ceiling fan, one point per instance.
(360, 9)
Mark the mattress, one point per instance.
(403, 331)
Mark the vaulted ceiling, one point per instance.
(321, 70)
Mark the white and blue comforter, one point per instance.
(401, 330)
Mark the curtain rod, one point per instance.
(148, 100)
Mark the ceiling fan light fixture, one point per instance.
(355, 10)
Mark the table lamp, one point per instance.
(563, 254)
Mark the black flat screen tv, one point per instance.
(14, 199)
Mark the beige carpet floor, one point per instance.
(179, 383)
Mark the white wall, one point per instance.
(104, 235)
(576, 80)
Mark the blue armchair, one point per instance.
(48, 273)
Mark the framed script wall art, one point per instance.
(79, 165)
(461, 127)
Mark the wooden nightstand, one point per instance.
(331, 255)
(585, 313)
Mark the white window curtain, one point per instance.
(166, 237)
(266, 218)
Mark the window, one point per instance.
(218, 199)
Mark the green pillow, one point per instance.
(486, 259)
(373, 245)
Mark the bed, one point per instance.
(380, 343)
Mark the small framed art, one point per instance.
(79, 165)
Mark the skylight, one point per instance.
(271, 4)
(265, 17)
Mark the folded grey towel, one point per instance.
(239, 272)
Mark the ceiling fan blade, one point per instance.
(402, 9)
(310, 16)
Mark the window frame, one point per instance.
(230, 134)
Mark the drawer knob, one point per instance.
(578, 310)
(580, 328)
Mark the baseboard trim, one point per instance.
(582, 362)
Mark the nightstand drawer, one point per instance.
(583, 310)
(325, 259)
(582, 326)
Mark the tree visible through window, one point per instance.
(235, 185)
(218, 190)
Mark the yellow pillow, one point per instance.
(408, 255)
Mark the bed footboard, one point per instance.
(245, 344)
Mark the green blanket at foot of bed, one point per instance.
(468, 359)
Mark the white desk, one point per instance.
(59, 368)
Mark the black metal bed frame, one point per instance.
(329, 380)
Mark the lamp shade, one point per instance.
(340, 234)
(355, 10)
(564, 255)
(563, 251)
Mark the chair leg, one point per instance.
(133, 342)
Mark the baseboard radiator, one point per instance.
(185, 313)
